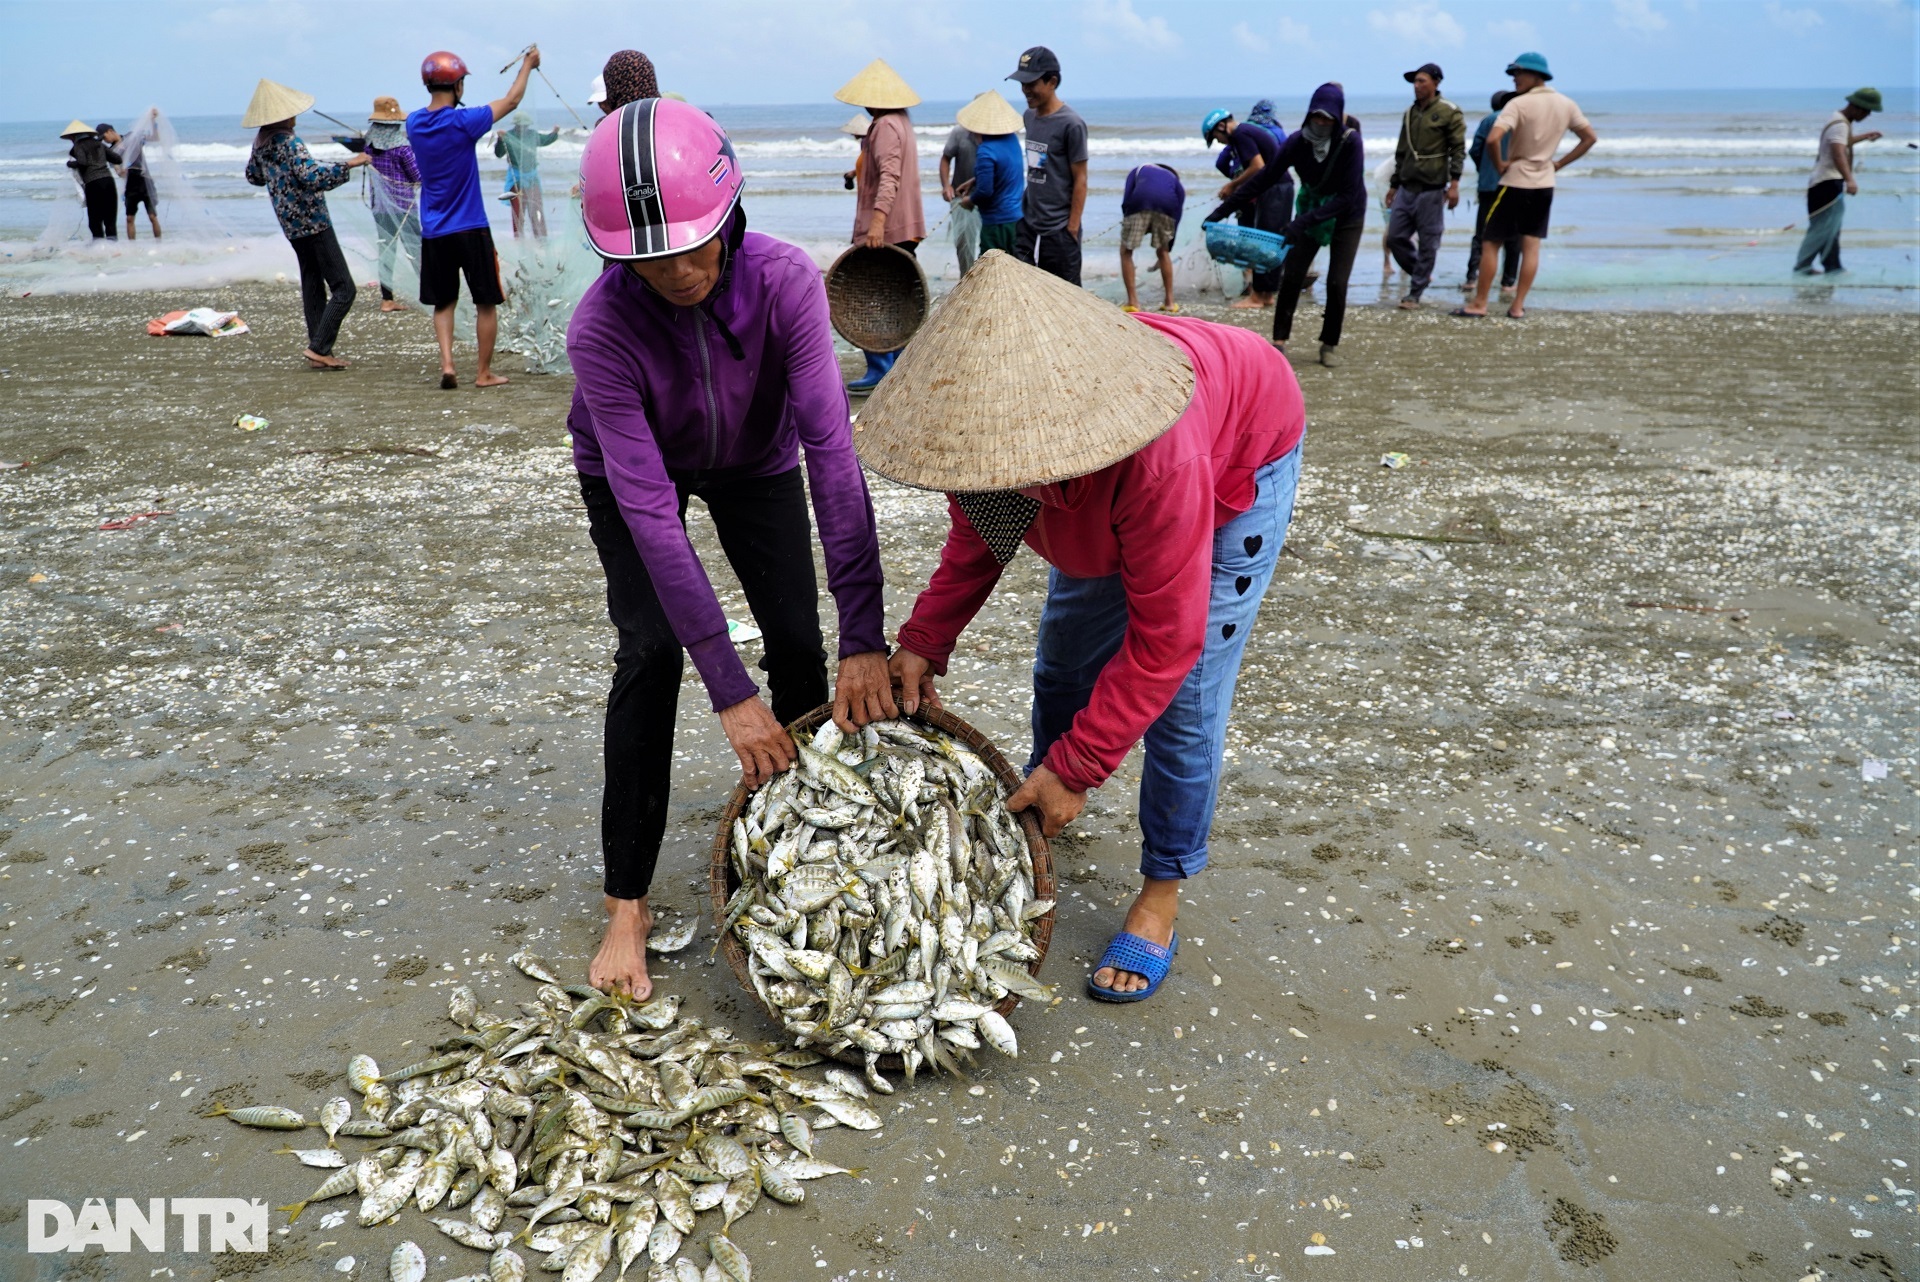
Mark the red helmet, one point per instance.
(442, 70)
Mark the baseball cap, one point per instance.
(1035, 64)
(1431, 68)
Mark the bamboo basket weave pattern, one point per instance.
(723, 881)
(877, 298)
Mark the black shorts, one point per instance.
(139, 191)
(444, 258)
(1518, 211)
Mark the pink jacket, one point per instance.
(1149, 518)
(890, 180)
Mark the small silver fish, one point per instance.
(269, 1116)
(324, 1158)
(534, 967)
(675, 938)
(408, 1263)
(333, 1115)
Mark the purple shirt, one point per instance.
(398, 184)
(1154, 189)
(657, 394)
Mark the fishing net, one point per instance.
(198, 247)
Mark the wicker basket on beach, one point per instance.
(877, 297)
(723, 880)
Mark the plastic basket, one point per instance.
(1245, 246)
(722, 880)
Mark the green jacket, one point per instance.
(1433, 146)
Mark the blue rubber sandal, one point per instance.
(1129, 952)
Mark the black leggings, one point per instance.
(103, 208)
(764, 530)
(1293, 278)
(323, 268)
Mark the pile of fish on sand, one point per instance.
(583, 1127)
(886, 898)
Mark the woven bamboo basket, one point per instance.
(723, 881)
(877, 298)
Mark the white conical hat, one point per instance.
(857, 124)
(1018, 379)
(75, 129)
(989, 114)
(274, 102)
(878, 85)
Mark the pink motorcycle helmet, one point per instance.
(657, 178)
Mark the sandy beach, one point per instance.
(1561, 917)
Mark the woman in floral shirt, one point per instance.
(297, 184)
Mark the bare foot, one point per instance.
(318, 361)
(1151, 918)
(1245, 303)
(392, 305)
(489, 379)
(622, 959)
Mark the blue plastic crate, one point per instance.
(1245, 246)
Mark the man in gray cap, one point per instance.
(1049, 234)
(1426, 180)
(1832, 175)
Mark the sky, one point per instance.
(110, 59)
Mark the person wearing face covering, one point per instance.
(1327, 156)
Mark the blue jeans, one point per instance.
(1081, 627)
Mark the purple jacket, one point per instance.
(659, 394)
(1339, 182)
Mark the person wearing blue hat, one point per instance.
(1254, 148)
(1832, 181)
(1530, 126)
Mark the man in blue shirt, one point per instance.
(999, 183)
(1152, 204)
(454, 236)
(1488, 175)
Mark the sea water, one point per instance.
(1694, 207)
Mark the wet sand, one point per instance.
(1553, 928)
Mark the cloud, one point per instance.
(1425, 24)
(1291, 34)
(1799, 22)
(1638, 16)
(1117, 18)
(1516, 33)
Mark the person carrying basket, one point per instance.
(705, 365)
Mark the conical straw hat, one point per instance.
(1018, 379)
(75, 129)
(857, 124)
(989, 114)
(274, 102)
(878, 85)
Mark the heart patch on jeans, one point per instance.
(1241, 584)
(1252, 543)
(1228, 629)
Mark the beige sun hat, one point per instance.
(1018, 379)
(989, 114)
(272, 103)
(857, 124)
(75, 129)
(878, 85)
